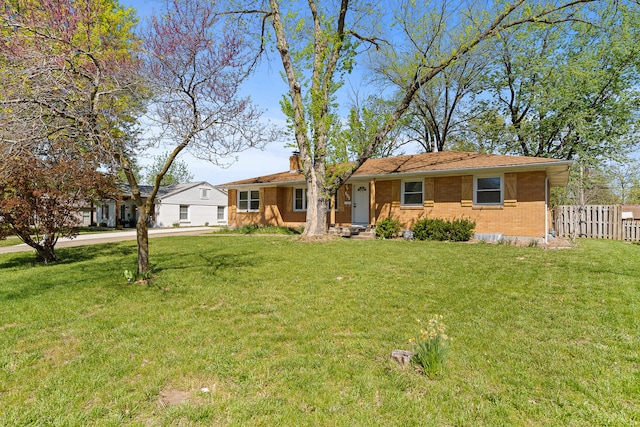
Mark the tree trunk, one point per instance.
(46, 253)
(142, 236)
(316, 224)
(45, 248)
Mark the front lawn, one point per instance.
(272, 331)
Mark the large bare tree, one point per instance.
(193, 65)
(319, 41)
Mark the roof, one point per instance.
(164, 191)
(443, 163)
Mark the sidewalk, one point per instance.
(116, 236)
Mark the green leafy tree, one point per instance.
(568, 92)
(348, 139)
(70, 90)
(178, 172)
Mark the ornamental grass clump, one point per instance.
(430, 347)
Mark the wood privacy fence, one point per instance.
(595, 221)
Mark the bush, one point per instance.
(459, 230)
(388, 228)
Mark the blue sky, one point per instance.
(265, 88)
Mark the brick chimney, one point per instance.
(294, 162)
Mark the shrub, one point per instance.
(462, 230)
(388, 228)
(459, 230)
(430, 347)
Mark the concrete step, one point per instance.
(354, 232)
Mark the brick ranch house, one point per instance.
(504, 195)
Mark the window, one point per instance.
(220, 213)
(184, 212)
(204, 193)
(488, 190)
(299, 199)
(105, 211)
(249, 200)
(412, 193)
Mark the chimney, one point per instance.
(294, 162)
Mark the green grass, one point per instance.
(14, 240)
(260, 229)
(284, 332)
(10, 241)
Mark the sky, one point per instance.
(265, 88)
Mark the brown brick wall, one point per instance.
(525, 216)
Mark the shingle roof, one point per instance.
(440, 163)
(164, 191)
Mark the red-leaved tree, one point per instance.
(40, 198)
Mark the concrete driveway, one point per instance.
(114, 236)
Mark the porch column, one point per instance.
(372, 202)
(332, 212)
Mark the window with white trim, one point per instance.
(412, 193)
(204, 193)
(488, 190)
(184, 212)
(249, 200)
(299, 199)
(220, 213)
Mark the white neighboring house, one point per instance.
(190, 204)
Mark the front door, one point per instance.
(360, 203)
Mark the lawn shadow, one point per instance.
(76, 254)
(70, 255)
(210, 260)
(48, 279)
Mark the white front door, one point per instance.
(360, 203)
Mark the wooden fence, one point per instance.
(595, 221)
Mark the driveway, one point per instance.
(114, 236)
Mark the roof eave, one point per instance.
(552, 168)
(260, 184)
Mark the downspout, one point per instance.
(546, 209)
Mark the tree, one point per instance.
(318, 43)
(348, 139)
(178, 172)
(441, 107)
(194, 65)
(69, 90)
(624, 180)
(567, 92)
(40, 197)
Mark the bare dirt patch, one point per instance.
(171, 397)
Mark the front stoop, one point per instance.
(354, 232)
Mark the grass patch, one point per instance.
(15, 240)
(10, 241)
(260, 229)
(286, 332)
